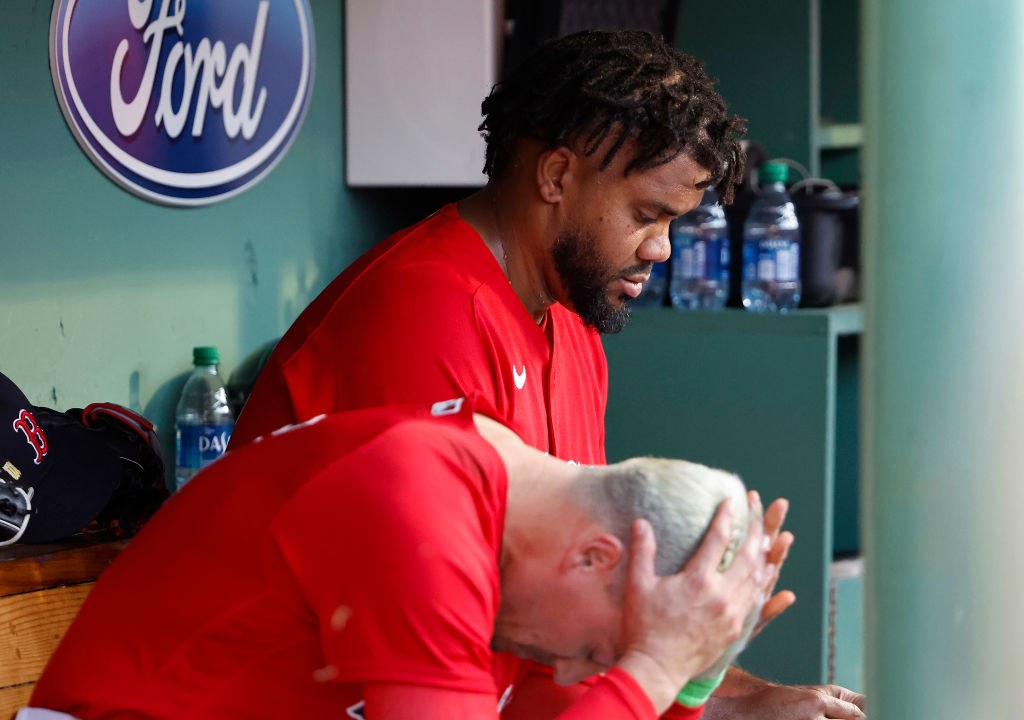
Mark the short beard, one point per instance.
(586, 280)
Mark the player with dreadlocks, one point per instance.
(593, 146)
(590, 86)
(621, 112)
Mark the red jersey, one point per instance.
(429, 314)
(287, 576)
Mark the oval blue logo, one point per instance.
(183, 103)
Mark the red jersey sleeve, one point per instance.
(429, 315)
(616, 696)
(414, 341)
(682, 712)
(537, 697)
(403, 584)
(394, 350)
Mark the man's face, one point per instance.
(616, 228)
(570, 625)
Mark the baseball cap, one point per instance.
(54, 477)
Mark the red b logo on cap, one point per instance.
(27, 424)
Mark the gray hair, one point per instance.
(679, 499)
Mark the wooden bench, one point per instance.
(41, 589)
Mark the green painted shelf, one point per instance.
(773, 398)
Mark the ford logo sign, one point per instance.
(183, 102)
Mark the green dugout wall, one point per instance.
(103, 295)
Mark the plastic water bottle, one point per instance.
(700, 256)
(203, 418)
(771, 246)
(653, 294)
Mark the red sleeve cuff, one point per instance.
(682, 712)
(615, 695)
(618, 695)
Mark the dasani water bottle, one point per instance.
(203, 418)
(771, 246)
(700, 256)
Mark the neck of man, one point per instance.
(512, 230)
(540, 513)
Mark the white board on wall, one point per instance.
(415, 74)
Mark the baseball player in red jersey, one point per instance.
(450, 323)
(593, 146)
(363, 565)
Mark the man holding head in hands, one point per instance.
(366, 564)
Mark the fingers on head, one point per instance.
(719, 534)
(757, 543)
(642, 552)
(775, 515)
(754, 502)
(776, 605)
(780, 548)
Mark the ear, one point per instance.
(554, 168)
(599, 553)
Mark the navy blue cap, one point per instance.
(54, 478)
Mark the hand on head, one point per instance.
(780, 544)
(674, 627)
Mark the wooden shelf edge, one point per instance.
(26, 568)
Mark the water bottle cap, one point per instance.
(205, 355)
(773, 172)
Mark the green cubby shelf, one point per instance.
(774, 399)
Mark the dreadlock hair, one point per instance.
(583, 88)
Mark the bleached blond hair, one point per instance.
(679, 499)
